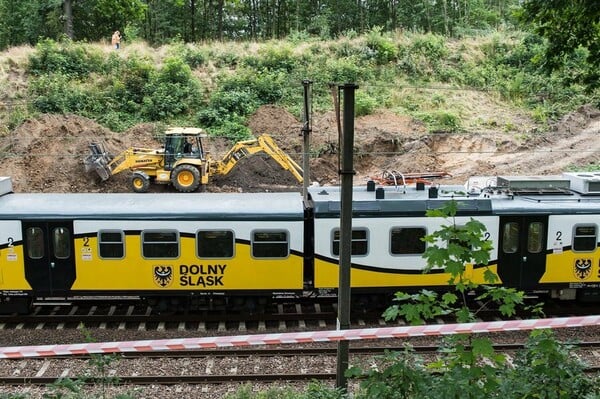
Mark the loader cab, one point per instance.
(183, 143)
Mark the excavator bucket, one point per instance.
(98, 161)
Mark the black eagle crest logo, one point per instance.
(583, 268)
(163, 275)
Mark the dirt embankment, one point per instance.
(46, 154)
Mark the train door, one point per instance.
(522, 250)
(49, 259)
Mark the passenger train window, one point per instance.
(535, 238)
(407, 240)
(360, 242)
(270, 244)
(585, 238)
(61, 243)
(510, 238)
(35, 242)
(215, 244)
(160, 244)
(111, 244)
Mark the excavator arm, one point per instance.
(263, 143)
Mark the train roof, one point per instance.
(408, 200)
(390, 201)
(200, 206)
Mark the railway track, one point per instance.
(129, 315)
(132, 316)
(216, 366)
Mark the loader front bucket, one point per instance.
(98, 161)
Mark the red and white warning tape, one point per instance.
(16, 352)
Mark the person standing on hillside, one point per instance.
(116, 39)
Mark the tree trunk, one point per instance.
(68, 10)
(193, 20)
(220, 13)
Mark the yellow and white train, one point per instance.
(241, 249)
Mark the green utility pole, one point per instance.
(347, 172)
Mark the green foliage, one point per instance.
(423, 57)
(591, 167)
(17, 116)
(364, 104)
(399, 375)
(171, 92)
(314, 390)
(67, 58)
(65, 388)
(57, 93)
(192, 56)
(233, 129)
(567, 27)
(383, 50)
(234, 102)
(122, 93)
(264, 87)
(346, 70)
(224, 58)
(417, 308)
(130, 80)
(547, 369)
(120, 89)
(439, 121)
(273, 58)
(471, 369)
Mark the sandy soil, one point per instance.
(46, 154)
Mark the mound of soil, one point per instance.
(46, 154)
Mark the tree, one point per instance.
(22, 21)
(568, 26)
(97, 19)
(68, 7)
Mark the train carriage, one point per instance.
(387, 230)
(156, 246)
(544, 231)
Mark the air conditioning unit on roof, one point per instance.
(5, 185)
(584, 182)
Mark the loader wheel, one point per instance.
(185, 178)
(140, 182)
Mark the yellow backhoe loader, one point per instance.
(182, 161)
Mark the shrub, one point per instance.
(383, 49)
(192, 56)
(346, 70)
(273, 58)
(264, 87)
(233, 102)
(440, 121)
(57, 94)
(364, 104)
(547, 369)
(171, 91)
(423, 57)
(131, 80)
(233, 129)
(224, 58)
(68, 59)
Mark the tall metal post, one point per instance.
(347, 172)
(306, 130)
